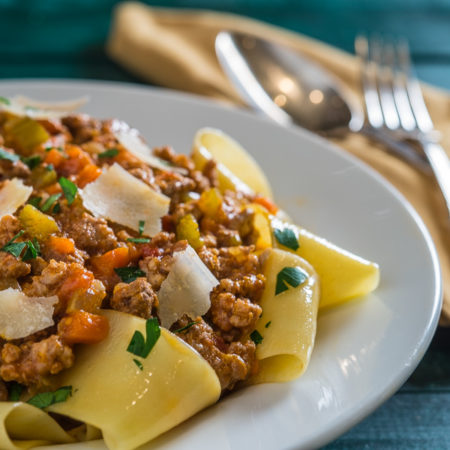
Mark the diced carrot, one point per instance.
(78, 282)
(81, 327)
(77, 160)
(266, 203)
(62, 245)
(88, 174)
(125, 156)
(54, 157)
(54, 188)
(106, 263)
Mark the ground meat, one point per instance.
(174, 185)
(49, 253)
(168, 154)
(32, 363)
(144, 174)
(231, 310)
(229, 262)
(210, 172)
(3, 392)
(9, 227)
(137, 298)
(231, 363)
(12, 267)
(13, 169)
(90, 233)
(82, 127)
(48, 282)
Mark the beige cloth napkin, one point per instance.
(175, 48)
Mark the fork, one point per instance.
(395, 105)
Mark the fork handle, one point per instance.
(440, 164)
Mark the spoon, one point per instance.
(289, 88)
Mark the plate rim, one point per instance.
(342, 423)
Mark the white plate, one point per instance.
(364, 350)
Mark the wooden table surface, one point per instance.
(65, 39)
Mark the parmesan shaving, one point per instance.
(130, 139)
(24, 106)
(118, 196)
(186, 289)
(21, 316)
(13, 194)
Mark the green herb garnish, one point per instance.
(50, 167)
(45, 399)
(139, 240)
(141, 227)
(70, 189)
(289, 276)
(109, 153)
(286, 237)
(35, 201)
(32, 251)
(14, 391)
(139, 364)
(140, 346)
(5, 100)
(49, 202)
(14, 248)
(32, 161)
(47, 149)
(57, 209)
(186, 327)
(256, 337)
(267, 325)
(129, 274)
(8, 156)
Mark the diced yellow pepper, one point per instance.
(187, 228)
(37, 224)
(41, 177)
(210, 202)
(261, 224)
(26, 133)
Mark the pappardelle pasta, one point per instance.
(166, 279)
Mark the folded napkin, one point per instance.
(175, 48)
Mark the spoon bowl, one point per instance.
(285, 85)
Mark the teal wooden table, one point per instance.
(65, 39)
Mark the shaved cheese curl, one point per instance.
(186, 289)
(21, 316)
(118, 196)
(13, 194)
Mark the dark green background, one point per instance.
(65, 39)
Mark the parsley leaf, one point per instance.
(14, 391)
(14, 248)
(32, 161)
(70, 189)
(5, 100)
(33, 250)
(256, 337)
(49, 202)
(140, 347)
(129, 274)
(141, 226)
(57, 208)
(289, 276)
(45, 399)
(9, 156)
(139, 240)
(139, 364)
(287, 237)
(109, 153)
(35, 201)
(185, 328)
(267, 325)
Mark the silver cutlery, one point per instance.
(394, 102)
(290, 88)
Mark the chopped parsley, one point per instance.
(14, 391)
(16, 248)
(141, 227)
(35, 201)
(69, 189)
(50, 167)
(129, 274)
(49, 202)
(289, 276)
(256, 337)
(5, 100)
(32, 251)
(267, 325)
(142, 347)
(45, 399)
(47, 149)
(139, 364)
(139, 240)
(185, 328)
(57, 208)
(8, 156)
(286, 237)
(109, 153)
(32, 161)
